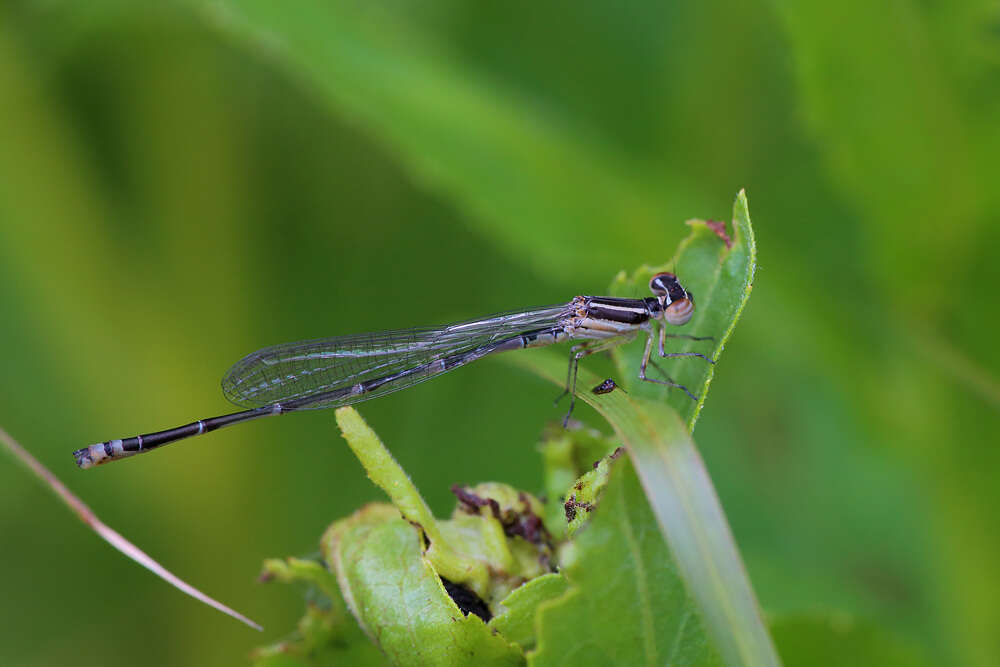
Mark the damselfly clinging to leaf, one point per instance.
(339, 371)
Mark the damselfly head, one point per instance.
(678, 303)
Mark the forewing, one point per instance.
(292, 371)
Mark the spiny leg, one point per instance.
(688, 337)
(646, 360)
(582, 350)
(572, 390)
(670, 355)
(663, 339)
(578, 352)
(569, 371)
(670, 381)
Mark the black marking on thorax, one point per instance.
(629, 311)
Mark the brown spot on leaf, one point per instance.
(471, 502)
(572, 505)
(719, 228)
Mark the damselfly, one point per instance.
(339, 371)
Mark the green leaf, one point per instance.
(568, 454)
(304, 571)
(672, 472)
(326, 634)
(390, 568)
(626, 604)
(320, 641)
(399, 599)
(688, 512)
(478, 550)
(505, 532)
(721, 278)
(582, 497)
(383, 470)
(517, 622)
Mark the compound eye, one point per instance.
(679, 312)
(660, 283)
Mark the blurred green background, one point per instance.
(180, 185)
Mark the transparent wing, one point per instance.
(326, 367)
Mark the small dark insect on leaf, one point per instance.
(572, 505)
(606, 387)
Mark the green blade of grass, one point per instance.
(108, 534)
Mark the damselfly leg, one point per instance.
(669, 381)
(578, 352)
(663, 340)
(670, 335)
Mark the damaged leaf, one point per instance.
(399, 599)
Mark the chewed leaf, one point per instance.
(568, 454)
(620, 564)
(718, 269)
(400, 600)
(383, 470)
(490, 549)
(582, 497)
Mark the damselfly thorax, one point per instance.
(339, 371)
